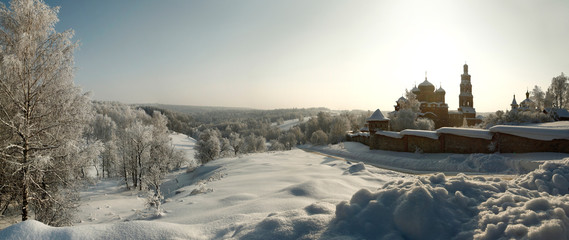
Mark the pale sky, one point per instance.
(326, 53)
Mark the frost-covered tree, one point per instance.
(42, 112)
(402, 119)
(276, 146)
(208, 146)
(538, 97)
(225, 147)
(288, 140)
(319, 138)
(338, 129)
(559, 88)
(236, 142)
(254, 144)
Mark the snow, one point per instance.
(537, 133)
(420, 133)
(389, 134)
(437, 207)
(184, 143)
(288, 124)
(467, 110)
(364, 134)
(466, 132)
(556, 124)
(449, 163)
(306, 195)
(544, 131)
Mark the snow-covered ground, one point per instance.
(288, 124)
(449, 163)
(301, 195)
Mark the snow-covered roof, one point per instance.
(363, 134)
(364, 129)
(420, 133)
(466, 132)
(537, 133)
(389, 134)
(454, 112)
(467, 110)
(526, 102)
(560, 112)
(377, 116)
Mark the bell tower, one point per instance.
(465, 99)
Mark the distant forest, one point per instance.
(191, 120)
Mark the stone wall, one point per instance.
(423, 144)
(460, 144)
(514, 144)
(388, 143)
(451, 143)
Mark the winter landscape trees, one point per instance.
(42, 112)
(50, 135)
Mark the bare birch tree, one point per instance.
(42, 112)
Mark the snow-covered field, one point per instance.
(301, 195)
(288, 124)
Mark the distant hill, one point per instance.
(195, 109)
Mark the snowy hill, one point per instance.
(297, 194)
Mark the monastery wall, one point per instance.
(469, 141)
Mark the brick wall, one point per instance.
(424, 144)
(460, 144)
(449, 143)
(513, 144)
(380, 142)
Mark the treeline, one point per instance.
(242, 121)
(556, 95)
(324, 128)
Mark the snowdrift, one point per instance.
(32, 229)
(533, 206)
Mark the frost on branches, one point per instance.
(42, 112)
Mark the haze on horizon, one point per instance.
(334, 54)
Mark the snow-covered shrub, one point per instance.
(276, 146)
(515, 117)
(319, 138)
(407, 119)
(253, 144)
(208, 146)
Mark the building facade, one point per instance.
(432, 103)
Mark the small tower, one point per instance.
(440, 93)
(377, 122)
(514, 103)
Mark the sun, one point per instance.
(435, 55)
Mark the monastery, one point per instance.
(433, 105)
